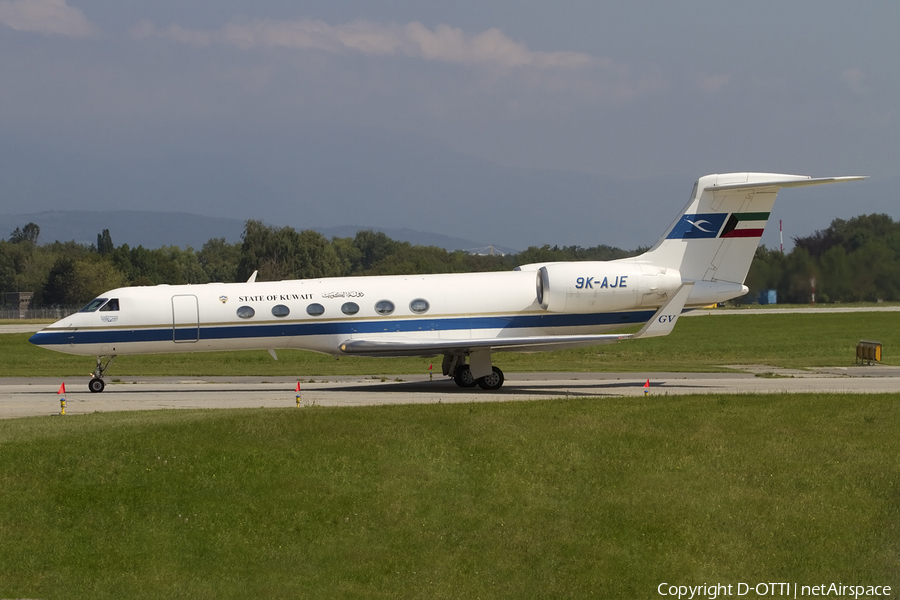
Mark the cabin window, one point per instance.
(113, 304)
(245, 312)
(384, 307)
(315, 309)
(419, 306)
(93, 305)
(280, 310)
(350, 308)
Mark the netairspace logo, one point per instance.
(784, 589)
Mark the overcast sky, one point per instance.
(363, 112)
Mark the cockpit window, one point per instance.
(93, 305)
(113, 304)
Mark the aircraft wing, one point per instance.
(432, 347)
(661, 324)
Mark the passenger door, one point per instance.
(185, 319)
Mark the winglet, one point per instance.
(663, 322)
(253, 277)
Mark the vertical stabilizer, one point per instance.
(715, 237)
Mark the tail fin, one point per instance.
(716, 236)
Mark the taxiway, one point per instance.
(24, 397)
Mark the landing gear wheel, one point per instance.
(493, 381)
(97, 384)
(463, 377)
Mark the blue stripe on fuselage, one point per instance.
(348, 328)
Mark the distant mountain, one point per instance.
(156, 229)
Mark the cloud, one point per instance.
(46, 16)
(444, 44)
(488, 68)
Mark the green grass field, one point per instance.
(550, 499)
(705, 343)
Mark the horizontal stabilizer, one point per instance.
(787, 183)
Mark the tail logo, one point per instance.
(693, 227)
(699, 225)
(709, 225)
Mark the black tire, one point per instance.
(463, 377)
(494, 381)
(96, 385)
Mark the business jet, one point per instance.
(702, 258)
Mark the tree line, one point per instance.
(851, 261)
(71, 274)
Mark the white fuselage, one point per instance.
(285, 314)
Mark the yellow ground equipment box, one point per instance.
(868, 352)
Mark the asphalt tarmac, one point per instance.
(26, 397)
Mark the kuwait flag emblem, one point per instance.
(744, 225)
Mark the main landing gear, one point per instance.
(464, 379)
(97, 385)
(462, 375)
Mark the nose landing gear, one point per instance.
(97, 385)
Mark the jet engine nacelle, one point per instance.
(587, 287)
